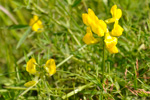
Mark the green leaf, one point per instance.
(23, 37)
(76, 3)
(117, 85)
(17, 26)
(26, 56)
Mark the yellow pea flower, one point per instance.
(110, 41)
(36, 24)
(31, 67)
(103, 25)
(50, 67)
(117, 30)
(99, 28)
(92, 16)
(85, 19)
(91, 20)
(113, 49)
(88, 38)
(116, 14)
(30, 83)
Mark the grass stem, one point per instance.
(70, 56)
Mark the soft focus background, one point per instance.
(129, 74)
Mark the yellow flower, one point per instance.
(91, 20)
(36, 24)
(113, 49)
(117, 30)
(99, 28)
(31, 67)
(110, 41)
(30, 83)
(116, 14)
(50, 67)
(85, 19)
(88, 38)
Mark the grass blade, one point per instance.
(23, 37)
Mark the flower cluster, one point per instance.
(49, 67)
(36, 24)
(99, 27)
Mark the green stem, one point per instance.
(24, 88)
(74, 37)
(103, 65)
(70, 56)
(78, 89)
(135, 77)
(103, 68)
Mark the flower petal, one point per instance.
(113, 10)
(112, 50)
(88, 38)
(84, 18)
(35, 17)
(97, 26)
(92, 15)
(31, 67)
(36, 24)
(110, 20)
(110, 41)
(118, 14)
(30, 83)
(117, 30)
(50, 67)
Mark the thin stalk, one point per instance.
(135, 78)
(70, 56)
(78, 89)
(24, 88)
(74, 37)
(85, 6)
(8, 14)
(103, 69)
(103, 65)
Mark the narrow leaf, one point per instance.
(23, 37)
(17, 26)
(76, 3)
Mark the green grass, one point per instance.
(80, 76)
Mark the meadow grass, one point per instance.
(78, 73)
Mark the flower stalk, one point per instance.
(103, 65)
